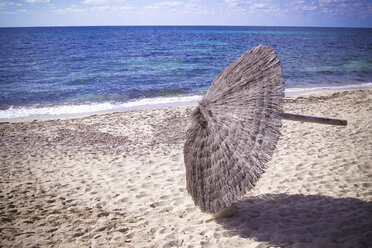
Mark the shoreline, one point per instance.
(118, 180)
(178, 103)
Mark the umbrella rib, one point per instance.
(313, 119)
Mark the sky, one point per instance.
(329, 13)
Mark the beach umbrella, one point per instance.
(235, 128)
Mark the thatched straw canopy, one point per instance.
(234, 130)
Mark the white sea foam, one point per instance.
(76, 110)
(296, 91)
(148, 103)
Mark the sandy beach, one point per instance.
(118, 180)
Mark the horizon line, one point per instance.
(184, 25)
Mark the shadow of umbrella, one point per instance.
(303, 221)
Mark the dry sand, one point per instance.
(118, 180)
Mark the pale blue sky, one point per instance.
(339, 13)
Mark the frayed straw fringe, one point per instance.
(234, 130)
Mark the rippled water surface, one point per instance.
(79, 66)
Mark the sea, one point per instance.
(67, 71)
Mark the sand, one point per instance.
(118, 180)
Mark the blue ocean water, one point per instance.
(67, 70)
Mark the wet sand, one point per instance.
(118, 180)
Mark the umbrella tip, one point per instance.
(260, 46)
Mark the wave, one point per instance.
(297, 91)
(92, 108)
(147, 103)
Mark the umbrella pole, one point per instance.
(303, 118)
